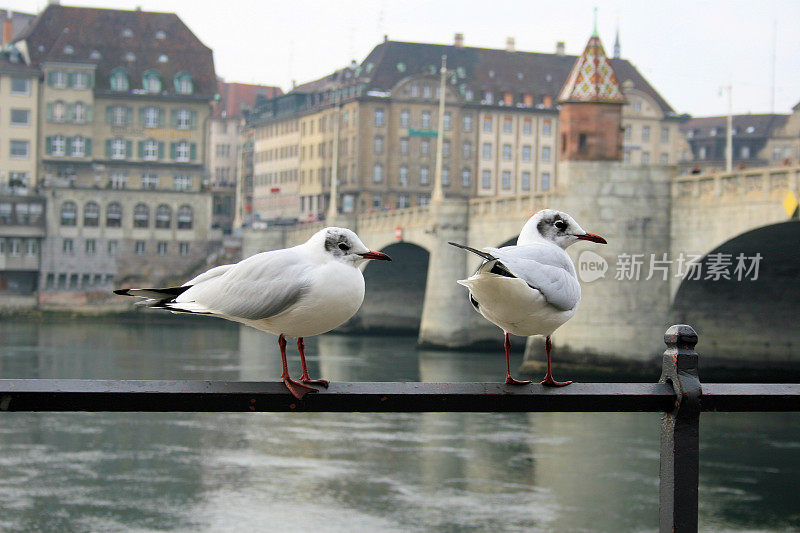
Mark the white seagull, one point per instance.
(296, 292)
(530, 288)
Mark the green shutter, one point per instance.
(162, 119)
(50, 112)
(69, 112)
(91, 81)
(88, 147)
(70, 80)
(108, 147)
(193, 151)
(129, 116)
(141, 116)
(161, 149)
(128, 148)
(48, 145)
(173, 114)
(194, 120)
(173, 151)
(109, 114)
(50, 78)
(89, 113)
(141, 149)
(68, 146)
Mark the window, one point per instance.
(91, 215)
(487, 150)
(184, 217)
(702, 152)
(183, 83)
(113, 216)
(31, 246)
(58, 145)
(445, 176)
(447, 121)
(377, 173)
(645, 158)
(403, 176)
(182, 152)
(141, 216)
(426, 120)
(69, 212)
(744, 152)
(526, 181)
(486, 179)
(79, 113)
(405, 118)
(151, 81)
(379, 117)
(149, 181)
(15, 247)
(20, 149)
(445, 148)
(488, 97)
(415, 90)
(527, 126)
(714, 132)
(20, 117)
(487, 123)
(545, 181)
(466, 149)
(645, 133)
(467, 122)
(139, 248)
(119, 180)
(118, 80)
(402, 201)
(637, 106)
(67, 246)
(118, 149)
(163, 216)
(426, 91)
(58, 79)
(149, 150)
(547, 128)
(506, 179)
(119, 115)
(506, 124)
(404, 145)
(664, 160)
(424, 147)
(151, 117)
(183, 119)
(526, 152)
(466, 177)
(80, 80)
(112, 247)
(628, 135)
(664, 135)
(424, 176)
(183, 248)
(182, 183)
(5, 214)
(91, 247)
(378, 144)
(546, 154)
(78, 146)
(20, 86)
(506, 152)
(162, 248)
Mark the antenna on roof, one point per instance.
(594, 32)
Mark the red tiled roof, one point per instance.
(235, 97)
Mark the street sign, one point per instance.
(421, 133)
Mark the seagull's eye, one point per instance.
(343, 247)
(560, 224)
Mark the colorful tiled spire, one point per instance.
(592, 78)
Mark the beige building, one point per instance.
(19, 116)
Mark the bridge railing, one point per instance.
(761, 181)
(509, 205)
(678, 396)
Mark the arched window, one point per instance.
(183, 83)
(91, 215)
(185, 217)
(79, 112)
(164, 216)
(113, 215)
(151, 81)
(141, 216)
(69, 212)
(118, 80)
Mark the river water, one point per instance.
(349, 472)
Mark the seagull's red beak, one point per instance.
(380, 256)
(592, 237)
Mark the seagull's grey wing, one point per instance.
(545, 268)
(209, 274)
(261, 286)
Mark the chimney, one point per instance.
(8, 29)
(547, 101)
(386, 37)
(560, 48)
(458, 41)
(509, 44)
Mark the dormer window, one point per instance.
(750, 129)
(119, 80)
(713, 132)
(68, 50)
(161, 34)
(184, 83)
(130, 56)
(151, 81)
(163, 58)
(127, 32)
(95, 54)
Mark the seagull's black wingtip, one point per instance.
(122, 292)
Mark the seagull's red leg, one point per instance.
(509, 379)
(301, 347)
(548, 377)
(297, 389)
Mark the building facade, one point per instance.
(19, 116)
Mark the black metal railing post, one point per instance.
(680, 433)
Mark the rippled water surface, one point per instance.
(349, 472)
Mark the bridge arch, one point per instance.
(753, 315)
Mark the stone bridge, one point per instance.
(648, 216)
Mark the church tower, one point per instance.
(591, 108)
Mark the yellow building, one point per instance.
(19, 89)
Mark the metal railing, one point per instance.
(678, 395)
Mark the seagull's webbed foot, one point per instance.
(548, 381)
(297, 389)
(301, 347)
(512, 381)
(320, 382)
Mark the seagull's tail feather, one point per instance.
(164, 298)
(485, 255)
(165, 293)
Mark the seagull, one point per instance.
(530, 288)
(294, 292)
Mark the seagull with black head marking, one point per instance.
(530, 288)
(294, 292)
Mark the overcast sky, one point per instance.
(687, 50)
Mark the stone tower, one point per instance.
(591, 108)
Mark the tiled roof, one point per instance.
(237, 97)
(592, 78)
(762, 125)
(19, 22)
(128, 39)
(478, 69)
